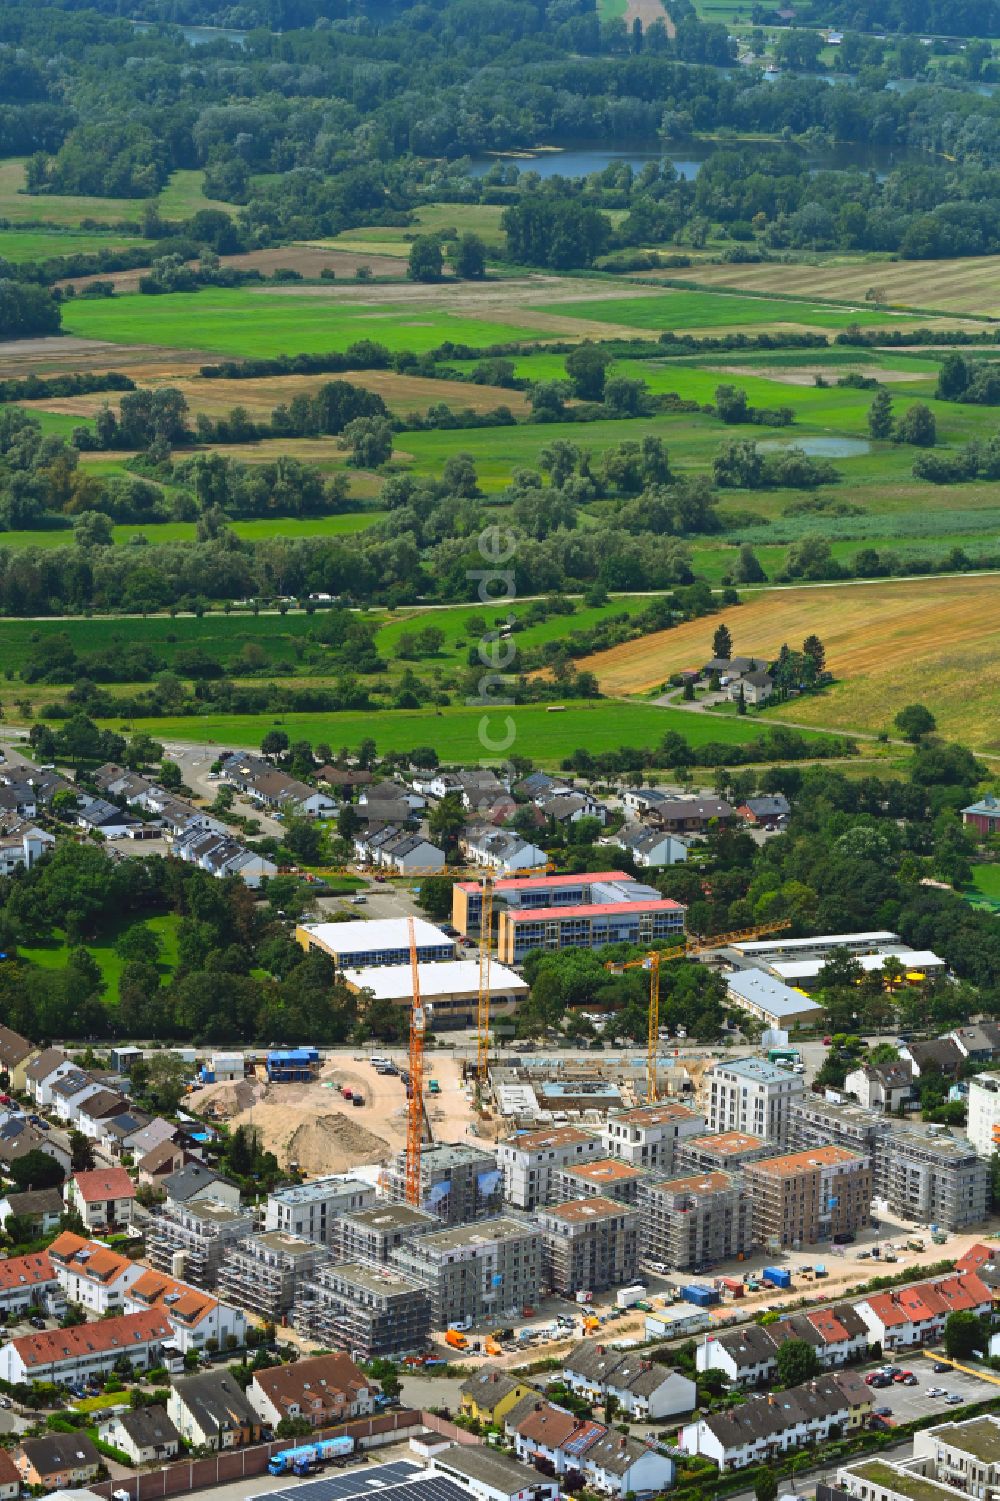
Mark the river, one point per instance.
(200, 36)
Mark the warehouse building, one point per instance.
(764, 950)
(590, 1244)
(451, 988)
(771, 1002)
(688, 1221)
(371, 1311)
(458, 1182)
(378, 941)
(490, 1270)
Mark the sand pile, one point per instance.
(223, 1101)
(333, 1144)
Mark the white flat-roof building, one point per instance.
(914, 961)
(855, 943)
(381, 940)
(752, 1096)
(775, 1004)
(451, 987)
(983, 1129)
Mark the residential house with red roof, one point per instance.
(104, 1198)
(324, 1390)
(28, 1282)
(91, 1274)
(195, 1316)
(917, 1315)
(86, 1350)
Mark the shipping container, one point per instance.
(627, 1297)
(779, 1275)
(701, 1297)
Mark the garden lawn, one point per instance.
(986, 883)
(455, 733)
(55, 955)
(253, 323)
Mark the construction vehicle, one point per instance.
(690, 949)
(492, 1348)
(433, 1087)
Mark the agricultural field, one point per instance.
(696, 311)
(182, 197)
(19, 245)
(482, 219)
(544, 734)
(888, 644)
(969, 285)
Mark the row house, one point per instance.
(501, 850)
(29, 1282)
(211, 1411)
(748, 1356)
(86, 1350)
(221, 855)
(644, 1391)
(588, 1453)
(16, 1053)
(258, 780)
(763, 1427)
(909, 1316)
(403, 850)
(321, 1391)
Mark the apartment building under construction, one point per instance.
(370, 1311)
(203, 1234)
(264, 1273)
(705, 1217)
(491, 1269)
(590, 1244)
(804, 1197)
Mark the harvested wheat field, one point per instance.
(966, 285)
(931, 641)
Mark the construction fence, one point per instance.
(187, 1475)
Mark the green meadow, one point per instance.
(19, 245)
(186, 531)
(251, 323)
(465, 734)
(684, 309)
(56, 953)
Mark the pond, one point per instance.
(580, 159)
(200, 36)
(821, 448)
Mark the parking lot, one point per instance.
(909, 1402)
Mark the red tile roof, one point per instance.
(55, 1346)
(929, 1300)
(322, 1382)
(977, 1256)
(539, 883)
(551, 1426)
(88, 1258)
(26, 1271)
(105, 1183)
(189, 1304)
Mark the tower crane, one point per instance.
(690, 949)
(415, 1103)
(483, 1016)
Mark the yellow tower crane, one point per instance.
(691, 948)
(483, 1016)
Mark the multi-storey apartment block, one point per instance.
(530, 1159)
(752, 1096)
(263, 1274)
(701, 1218)
(590, 1244)
(648, 1136)
(490, 1269)
(375, 1311)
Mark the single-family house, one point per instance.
(618, 1465)
(490, 1393)
(765, 812)
(91, 1274)
(148, 1435)
(42, 1073)
(753, 688)
(650, 848)
(16, 1053)
(194, 1183)
(983, 817)
(57, 1461)
(41, 1208)
(210, 1410)
(881, 1086)
(103, 1198)
(18, 1137)
(10, 1477)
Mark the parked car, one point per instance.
(953, 1399)
(941, 1367)
(882, 1412)
(904, 1376)
(910, 1380)
(935, 1391)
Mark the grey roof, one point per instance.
(476, 1462)
(489, 1385)
(35, 1201)
(643, 841)
(944, 1053)
(216, 1402)
(105, 1103)
(780, 1000)
(747, 1347)
(59, 1451)
(776, 806)
(615, 1452)
(46, 1063)
(148, 1426)
(14, 1048)
(188, 1180)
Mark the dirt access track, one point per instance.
(313, 1127)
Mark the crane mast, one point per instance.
(483, 1016)
(415, 1103)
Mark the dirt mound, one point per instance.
(223, 1101)
(333, 1144)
